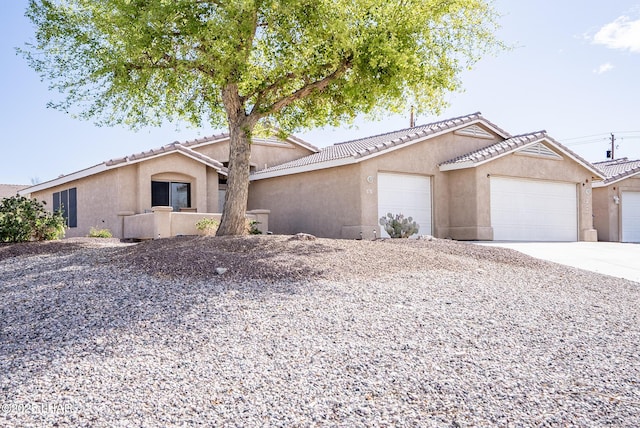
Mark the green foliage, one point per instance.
(291, 64)
(303, 63)
(208, 226)
(23, 219)
(100, 233)
(252, 227)
(397, 226)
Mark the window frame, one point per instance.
(155, 184)
(66, 201)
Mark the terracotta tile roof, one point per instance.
(497, 149)
(225, 135)
(169, 148)
(184, 147)
(618, 169)
(175, 147)
(9, 190)
(362, 147)
(510, 145)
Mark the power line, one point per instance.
(588, 139)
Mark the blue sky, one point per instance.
(574, 71)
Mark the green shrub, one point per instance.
(23, 219)
(208, 226)
(100, 233)
(252, 227)
(398, 226)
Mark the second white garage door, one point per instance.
(532, 210)
(630, 216)
(405, 194)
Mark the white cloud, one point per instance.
(604, 68)
(623, 34)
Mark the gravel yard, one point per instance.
(311, 333)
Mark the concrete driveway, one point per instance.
(609, 258)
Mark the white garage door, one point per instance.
(531, 210)
(630, 216)
(405, 194)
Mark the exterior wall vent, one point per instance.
(474, 131)
(539, 150)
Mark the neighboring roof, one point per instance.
(617, 169)
(9, 190)
(509, 146)
(357, 150)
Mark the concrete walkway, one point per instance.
(609, 258)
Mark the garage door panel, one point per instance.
(531, 210)
(405, 194)
(630, 216)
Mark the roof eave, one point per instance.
(615, 179)
(303, 168)
(457, 166)
(104, 167)
(65, 179)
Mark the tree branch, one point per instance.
(318, 85)
(167, 62)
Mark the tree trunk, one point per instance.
(237, 195)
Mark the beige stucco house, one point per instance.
(463, 178)
(125, 195)
(616, 201)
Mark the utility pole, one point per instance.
(412, 120)
(613, 146)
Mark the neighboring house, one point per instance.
(463, 178)
(9, 190)
(190, 177)
(616, 201)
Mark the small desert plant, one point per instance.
(100, 233)
(23, 219)
(208, 226)
(398, 226)
(252, 227)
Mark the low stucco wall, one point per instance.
(163, 223)
(138, 226)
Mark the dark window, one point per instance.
(176, 195)
(159, 194)
(67, 203)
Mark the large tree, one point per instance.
(239, 63)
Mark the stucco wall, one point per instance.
(97, 203)
(466, 203)
(319, 202)
(608, 214)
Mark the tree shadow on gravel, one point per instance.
(78, 305)
(25, 249)
(267, 259)
(283, 258)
